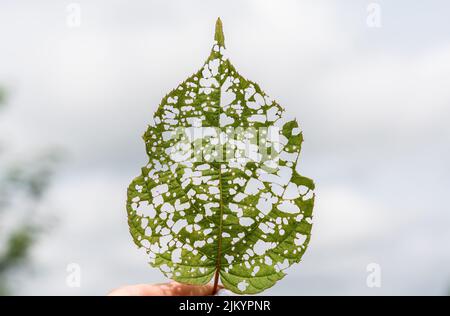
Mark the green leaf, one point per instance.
(221, 196)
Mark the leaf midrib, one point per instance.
(219, 237)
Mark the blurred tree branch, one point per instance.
(26, 181)
(2, 96)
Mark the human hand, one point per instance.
(164, 289)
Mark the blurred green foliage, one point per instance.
(2, 96)
(26, 181)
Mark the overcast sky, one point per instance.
(373, 103)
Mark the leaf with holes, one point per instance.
(221, 195)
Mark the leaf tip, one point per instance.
(219, 37)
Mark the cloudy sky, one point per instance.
(367, 80)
